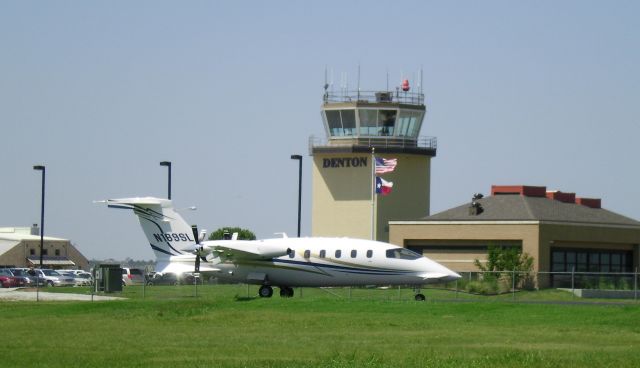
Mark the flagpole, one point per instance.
(373, 192)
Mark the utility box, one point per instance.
(111, 277)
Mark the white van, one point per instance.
(132, 276)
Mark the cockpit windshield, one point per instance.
(402, 253)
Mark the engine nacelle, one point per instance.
(272, 250)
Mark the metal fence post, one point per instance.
(513, 283)
(573, 285)
(456, 289)
(635, 284)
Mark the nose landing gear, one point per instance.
(419, 296)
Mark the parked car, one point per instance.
(21, 281)
(7, 279)
(83, 279)
(31, 279)
(132, 276)
(53, 278)
(80, 278)
(170, 279)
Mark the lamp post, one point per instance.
(168, 165)
(41, 168)
(299, 158)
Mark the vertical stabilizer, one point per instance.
(167, 232)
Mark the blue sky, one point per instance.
(538, 93)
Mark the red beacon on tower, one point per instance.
(405, 85)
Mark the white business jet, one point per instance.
(282, 262)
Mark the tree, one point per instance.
(501, 261)
(243, 234)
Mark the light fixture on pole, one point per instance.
(43, 169)
(168, 165)
(299, 158)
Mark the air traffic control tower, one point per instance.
(359, 125)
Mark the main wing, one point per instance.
(243, 249)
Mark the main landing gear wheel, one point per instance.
(265, 291)
(286, 292)
(420, 298)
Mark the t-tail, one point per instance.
(167, 232)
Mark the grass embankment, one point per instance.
(171, 328)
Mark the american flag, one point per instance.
(384, 165)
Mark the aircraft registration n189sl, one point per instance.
(281, 262)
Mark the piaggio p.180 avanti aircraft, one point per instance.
(282, 262)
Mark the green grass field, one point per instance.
(222, 327)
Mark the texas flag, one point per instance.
(382, 186)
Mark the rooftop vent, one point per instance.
(561, 196)
(589, 202)
(476, 208)
(523, 190)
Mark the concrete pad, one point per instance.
(15, 294)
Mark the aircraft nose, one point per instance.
(452, 276)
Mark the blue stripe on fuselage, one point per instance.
(344, 269)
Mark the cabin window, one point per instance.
(292, 254)
(323, 253)
(402, 253)
(338, 253)
(354, 253)
(369, 253)
(307, 253)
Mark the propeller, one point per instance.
(199, 249)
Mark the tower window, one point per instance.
(333, 122)
(386, 122)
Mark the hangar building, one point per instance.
(20, 247)
(560, 231)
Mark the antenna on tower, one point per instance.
(421, 90)
(358, 81)
(387, 78)
(331, 80)
(326, 85)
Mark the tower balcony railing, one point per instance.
(423, 142)
(409, 98)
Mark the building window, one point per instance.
(57, 252)
(32, 252)
(591, 261)
(45, 252)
